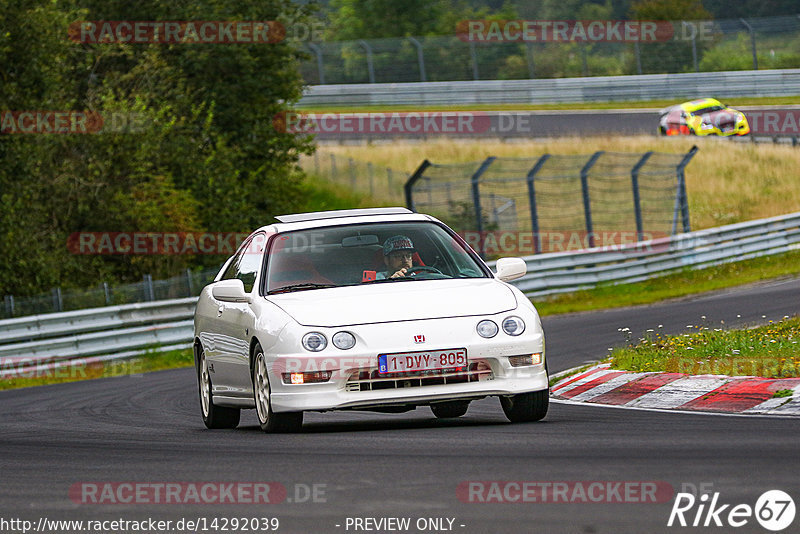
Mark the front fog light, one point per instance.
(344, 340)
(513, 326)
(314, 341)
(487, 328)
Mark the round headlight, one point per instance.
(513, 326)
(487, 328)
(344, 340)
(314, 341)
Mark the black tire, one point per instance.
(267, 419)
(213, 416)
(447, 410)
(526, 407)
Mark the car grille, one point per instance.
(371, 379)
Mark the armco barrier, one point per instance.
(124, 331)
(684, 86)
(562, 272)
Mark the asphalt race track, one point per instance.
(148, 429)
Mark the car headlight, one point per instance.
(314, 342)
(487, 328)
(344, 340)
(513, 326)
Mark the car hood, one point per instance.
(721, 115)
(396, 301)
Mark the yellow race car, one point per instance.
(705, 116)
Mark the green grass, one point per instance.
(676, 285)
(150, 361)
(645, 104)
(322, 195)
(770, 351)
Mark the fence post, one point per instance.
(189, 284)
(316, 162)
(682, 197)
(752, 42)
(530, 60)
(107, 293)
(694, 53)
(410, 183)
(420, 59)
(587, 208)
(318, 52)
(638, 54)
(352, 167)
(584, 58)
(637, 205)
(333, 167)
(476, 200)
(58, 302)
(370, 67)
(371, 184)
(537, 244)
(149, 293)
(474, 55)
(389, 178)
(9, 302)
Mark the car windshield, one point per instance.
(708, 109)
(366, 254)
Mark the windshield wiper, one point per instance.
(398, 279)
(300, 287)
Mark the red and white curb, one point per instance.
(676, 391)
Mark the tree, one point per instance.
(204, 157)
(674, 55)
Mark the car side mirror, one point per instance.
(230, 291)
(511, 268)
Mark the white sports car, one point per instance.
(373, 309)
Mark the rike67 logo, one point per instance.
(774, 510)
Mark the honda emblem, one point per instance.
(419, 339)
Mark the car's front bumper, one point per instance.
(333, 396)
(355, 382)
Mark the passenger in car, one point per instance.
(398, 253)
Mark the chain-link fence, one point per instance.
(689, 46)
(188, 284)
(380, 183)
(554, 203)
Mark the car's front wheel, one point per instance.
(445, 410)
(269, 420)
(213, 416)
(526, 407)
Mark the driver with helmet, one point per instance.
(398, 252)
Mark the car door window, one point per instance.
(247, 262)
(250, 261)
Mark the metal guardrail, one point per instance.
(54, 340)
(683, 86)
(60, 339)
(563, 272)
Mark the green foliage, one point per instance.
(769, 351)
(203, 154)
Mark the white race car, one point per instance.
(373, 309)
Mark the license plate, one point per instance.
(421, 361)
